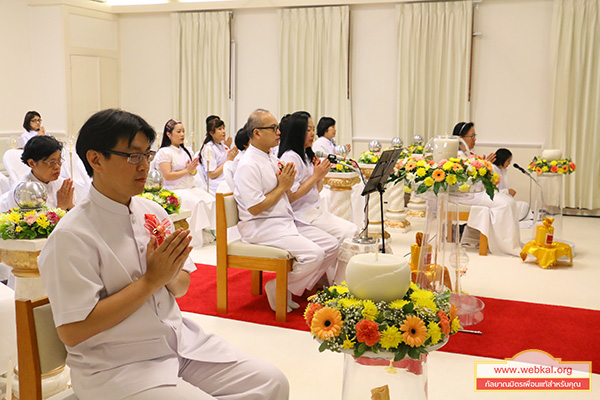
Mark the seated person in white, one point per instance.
(43, 155)
(178, 168)
(112, 281)
(266, 217)
(33, 127)
(326, 133)
(215, 153)
(296, 138)
(241, 142)
(498, 219)
(501, 164)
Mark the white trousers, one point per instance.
(202, 206)
(315, 252)
(249, 378)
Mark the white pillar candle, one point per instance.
(444, 147)
(378, 277)
(552, 154)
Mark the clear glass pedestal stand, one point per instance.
(366, 376)
(443, 260)
(549, 203)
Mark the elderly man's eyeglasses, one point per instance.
(273, 128)
(52, 163)
(134, 158)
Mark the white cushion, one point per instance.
(238, 248)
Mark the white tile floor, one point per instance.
(315, 375)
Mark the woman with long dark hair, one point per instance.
(178, 167)
(215, 153)
(295, 146)
(33, 127)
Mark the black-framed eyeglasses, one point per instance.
(472, 136)
(52, 163)
(134, 158)
(273, 128)
(36, 120)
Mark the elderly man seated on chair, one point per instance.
(112, 270)
(43, 155)
(266, 216)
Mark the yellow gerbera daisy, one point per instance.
(398, 304)
(326, 323)
(424, 299)
(434, 332)
(455, 326)
(428, 181)
(370, 310)
(340, 289)
(346, 303)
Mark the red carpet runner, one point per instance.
(508, 326)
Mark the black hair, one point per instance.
(28, 117)
(241, 138)
(284, 124)
(462, 128)
(324, 124)
(294, 136)
(39, 148)
(103, 130)
(501, 156)
(166, 141)
(212, 124)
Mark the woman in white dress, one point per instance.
(295, 146)
(215, 153)
(326, 133)
(498, 219)
(178, 168)
(33, 127)
(501, 164)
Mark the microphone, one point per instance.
(517, 166)
(333, 158)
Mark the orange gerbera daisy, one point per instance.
(538, 170)
(414, 331)
(326, 323)
(565, 168)
(438, 175)
(410, 166)
(310, 312)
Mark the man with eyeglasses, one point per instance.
(113, 268)
(33, 127)
(266, 217)
(43, 155)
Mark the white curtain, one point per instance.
(201, 43)
(314, 66)
(576, 102)
(433, 67)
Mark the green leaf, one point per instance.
(414, 353)
(323, 347)
(401, 353)
(360, 350)
(408, 307)
(422, 188)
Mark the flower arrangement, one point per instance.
(423, 174)
(342, 166)
(407, 326)
(415, 148)
(20, 223)
(165, 198)
(369, 157)
(542, 166)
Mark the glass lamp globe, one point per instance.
(154, 181)
(374, 146)
(418, 139)
(341, 150)
(397, 142)
(30, 195)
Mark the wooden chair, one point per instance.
(255, 258)
(463, 216)
(40, 350)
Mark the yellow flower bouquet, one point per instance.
(409, 326)
(165, 198)
(29, 224)
(457, 173)
(342, 166)
(542, 166)
(369, 157)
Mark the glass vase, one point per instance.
(372, 377)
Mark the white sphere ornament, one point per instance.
(397, 142)
(374, 146)
(341, 150)
(30, 195)
(378, 277)
(154, 181)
